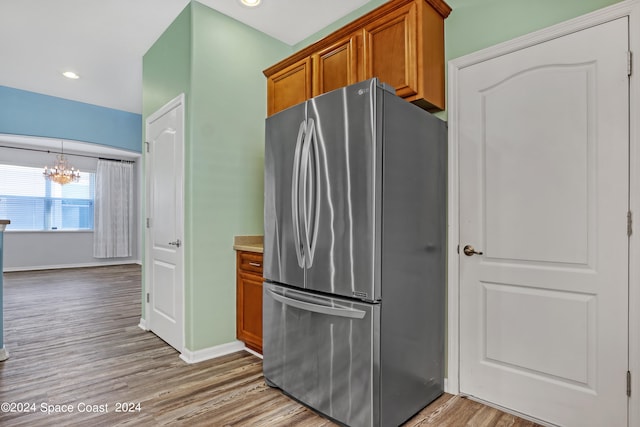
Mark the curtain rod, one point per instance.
(77, 155)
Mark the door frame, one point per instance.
(174, 103)
(630, 9)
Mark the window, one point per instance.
(34, 203)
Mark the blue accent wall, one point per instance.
(33, 114)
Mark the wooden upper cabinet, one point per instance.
(289, 86)
(390, 50)
(400, 42)
(405, 48)
(336, 66)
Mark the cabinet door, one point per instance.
(391, 51)
(336, 66)
(249, 299)
(289, 87)
(249, 316)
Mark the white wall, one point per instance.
(33, 250)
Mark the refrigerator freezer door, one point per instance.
(283, 256)
(341, 200)
(322, 351)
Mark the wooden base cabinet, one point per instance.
(400, 42)
(249, 299)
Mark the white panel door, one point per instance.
(164, 260)
(544, 140)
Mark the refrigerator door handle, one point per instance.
(302, 192)
(336, 310)
(295, 188)
(316, 190)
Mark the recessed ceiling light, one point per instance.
(70, 75)
(250, 3)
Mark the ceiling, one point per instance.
(104, 40)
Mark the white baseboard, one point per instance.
(143, 324)
(4, 354)
(255, 353)
(211, 352)
(61, 266)
(510, 411)
(446, 386)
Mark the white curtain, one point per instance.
(113, 210)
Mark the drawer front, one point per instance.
(250, 261)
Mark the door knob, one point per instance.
(469, 251)
(177, 243)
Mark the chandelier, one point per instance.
(61, 172)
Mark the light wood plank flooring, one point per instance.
(73, 339)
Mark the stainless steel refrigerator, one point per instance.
(354, 255)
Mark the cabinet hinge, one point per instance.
(629, 63)
(148, 222)
(146, 143)
(147, 296)
(629, 224)
(629, 383)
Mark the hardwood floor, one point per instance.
(74, 344)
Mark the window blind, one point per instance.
(36, 204)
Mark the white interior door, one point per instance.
(544, 181)
(165, 207)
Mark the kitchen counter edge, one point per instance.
(248, 243)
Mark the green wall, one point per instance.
(166, 73)
(372, 4)
(217, 62)
(225, 160)
(166, 67)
